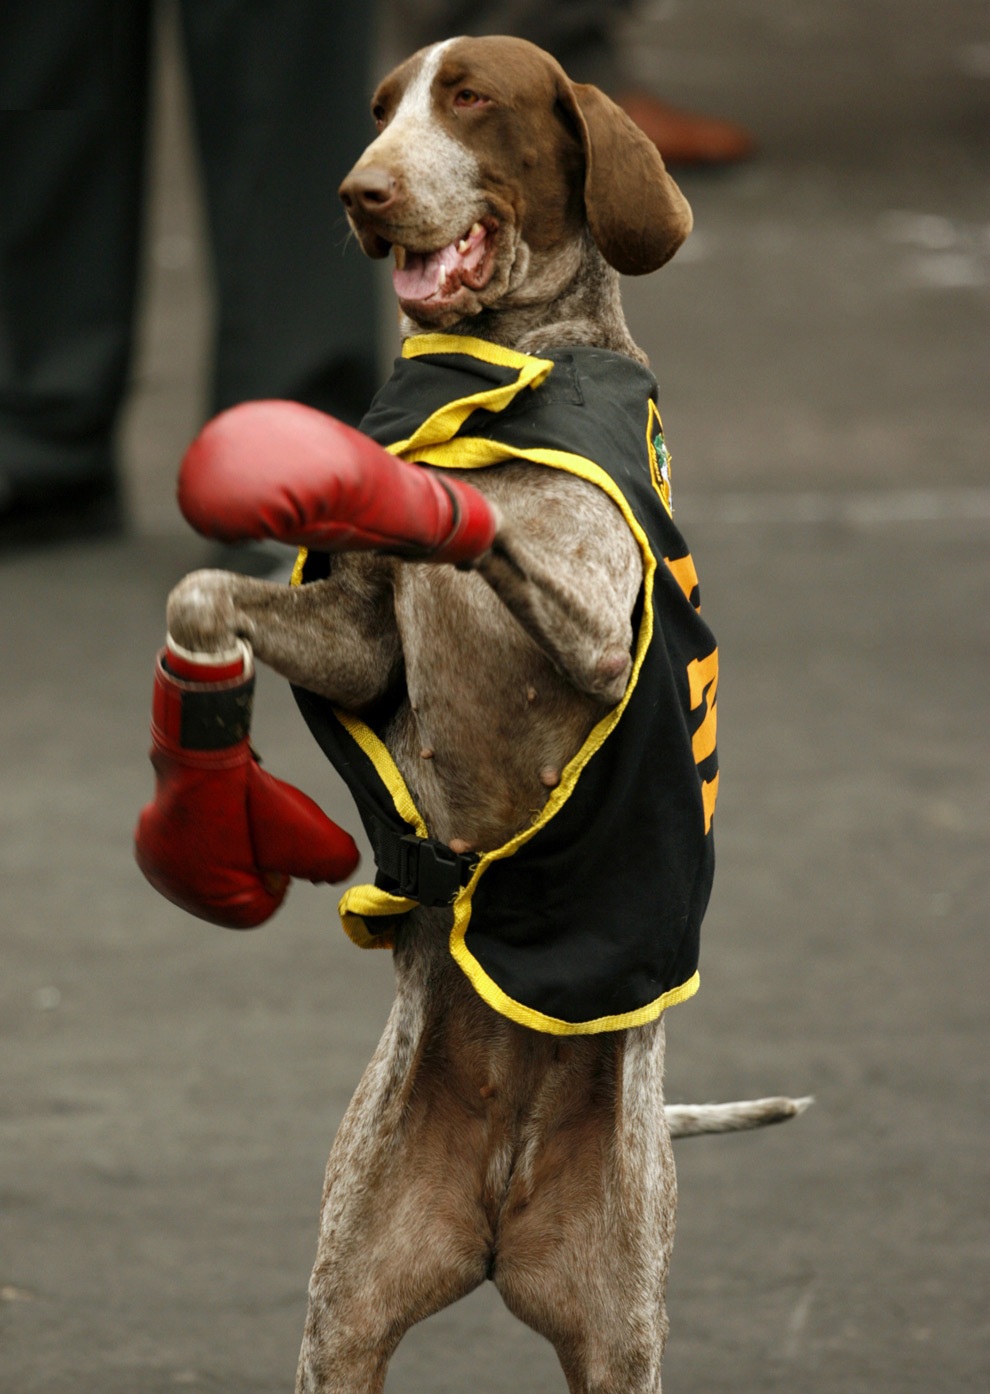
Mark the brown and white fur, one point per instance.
(475, 1148)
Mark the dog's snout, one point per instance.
(369, 190)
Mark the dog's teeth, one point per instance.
(465, 243)
(400, 255)
(443, 276)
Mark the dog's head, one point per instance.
(491, 167)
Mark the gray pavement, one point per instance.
(169, 1090)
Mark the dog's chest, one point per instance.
(488, 723)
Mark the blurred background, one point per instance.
(170, 1090)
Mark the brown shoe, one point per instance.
(684, 138)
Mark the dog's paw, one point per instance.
(200, 612)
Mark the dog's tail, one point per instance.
(693, 1120)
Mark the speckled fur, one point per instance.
(475, 1148)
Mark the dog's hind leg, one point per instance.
(386, 1260)
(584, 1243)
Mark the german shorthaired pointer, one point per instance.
(529, 733)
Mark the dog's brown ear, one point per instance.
(637, 214)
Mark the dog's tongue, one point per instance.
(426, 274)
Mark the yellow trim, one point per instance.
(448, 420)
(361, 903)
(491, 993)
(421, 345)
(388, 771)
(296, 579)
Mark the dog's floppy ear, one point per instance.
(637, 214)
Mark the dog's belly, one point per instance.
(502, 1104)
(487, 723)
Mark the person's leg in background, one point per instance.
(280, 99)
(582, 36)
(73, 88)
(281, 96)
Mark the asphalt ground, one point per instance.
(169, 1090)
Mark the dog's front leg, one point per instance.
(565, 563)
(335, 637)
(222, 838)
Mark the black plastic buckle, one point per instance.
(430, 871)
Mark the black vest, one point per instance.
(589, 919)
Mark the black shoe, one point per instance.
(42, 513)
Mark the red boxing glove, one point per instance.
(286, 472)
(221, 838)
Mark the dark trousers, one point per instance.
(280, 94)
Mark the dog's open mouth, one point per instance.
(433, 278)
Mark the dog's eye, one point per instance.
(378, 112)
(467, 97)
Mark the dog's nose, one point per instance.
(368, 190)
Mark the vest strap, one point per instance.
(419, 868)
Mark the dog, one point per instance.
(511, 1125)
